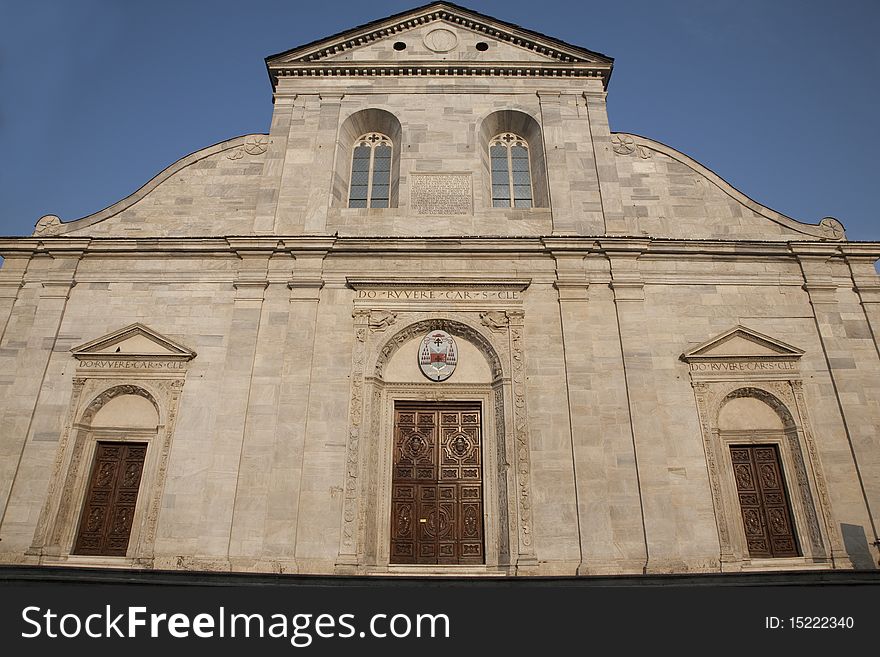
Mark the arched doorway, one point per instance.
(753, 432)
(437, 472)
(770, 487)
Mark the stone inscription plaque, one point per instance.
(743, 366)
(133, 364)
(439, 295)
(440, 193)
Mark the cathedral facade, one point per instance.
(440, 320)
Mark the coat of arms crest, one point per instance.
(438, 355)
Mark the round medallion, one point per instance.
(440, 40)
(460, 445)
(438, 355)
(416, 445)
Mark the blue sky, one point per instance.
(778, 97)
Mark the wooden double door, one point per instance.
(437, 485)
(763, 501)
(108, 512)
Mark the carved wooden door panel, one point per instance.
(105, 525)
(437, 487)
(762, 498)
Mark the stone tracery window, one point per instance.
(370, 183)
(511, 173)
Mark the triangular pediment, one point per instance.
(435, 33)
(742, 343)
(441, 41)
(134, 341)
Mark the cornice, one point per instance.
(646, 247)
(443, 69)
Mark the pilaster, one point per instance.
(674, 542)
(229, 432)
(267, 502)
(347, 561)
(315, 220)
(606, 169)
(273, 168)
(846, 321)
(571, 168)
(608, 507)
(25, 352)
(12, 275)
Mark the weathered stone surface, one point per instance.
(604, 332)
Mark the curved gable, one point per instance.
(665, 193)
(212, 191)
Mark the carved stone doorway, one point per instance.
(437, 487)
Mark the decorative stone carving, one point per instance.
(109, 394)
(252, 146)
(438, 355)
(832, 229)
(256, 145)
(440, 40)
(367, 474)
(174, 388)
(355, 417)
(623, 144)
(838, 550)
(381, 319)
(450, 326)
(626, 145)
(134, 360)
(48, 225)
(59, 528)
(721, 371)
(56, 479)
(496, 320)
(503, 467)
(701, 390)
(520, 434)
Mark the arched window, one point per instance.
(511, 174)
(370, 185)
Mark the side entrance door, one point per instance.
(437, 485)
(105, 524)
(763, 501)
